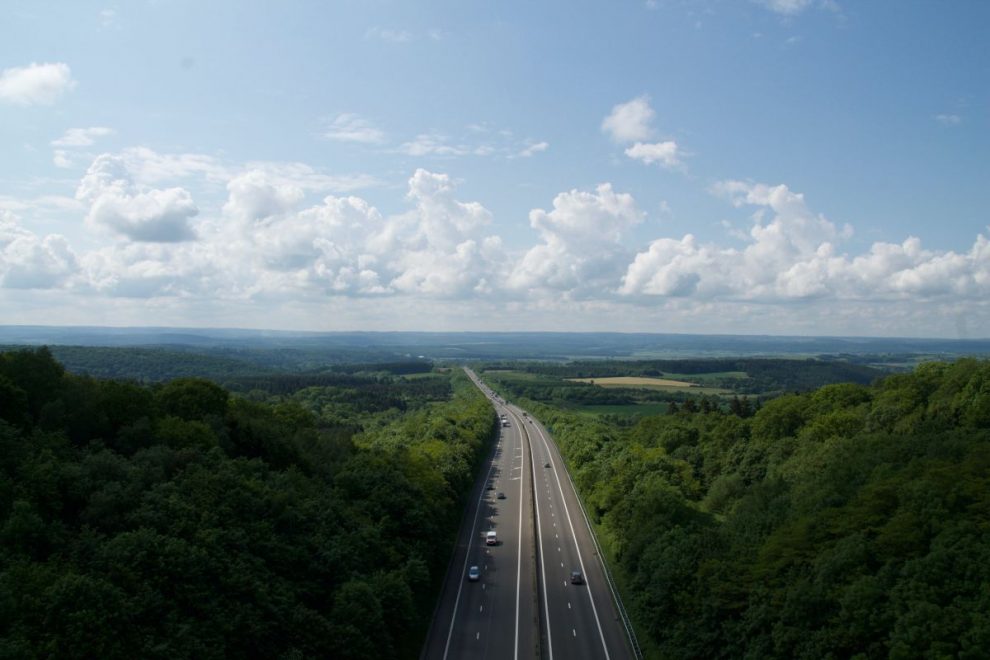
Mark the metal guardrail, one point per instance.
(626, 622)
(623, 615)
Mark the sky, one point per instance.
(789, 167)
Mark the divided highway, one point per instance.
(526, 602)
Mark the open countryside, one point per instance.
(633, 381)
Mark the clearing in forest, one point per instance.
(633, 381)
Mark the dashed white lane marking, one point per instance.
(562, 565)
(481, 608)
(568, 606)
(477, 636)
(573, 632)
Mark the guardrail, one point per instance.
(623, 615)
(626, 622)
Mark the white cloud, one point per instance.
(149, 167)
(433, 144)
(256, 195)
(480, 140)
(630, 121)
(785, 7)
(793, 256)
(665, 153)
(60, 157)
(35, 84)
(580, 250)
(310, 179)
(138, 213)
(82, 137)
(948, 119)
(533, 149)
(31, 262)
(351, 127)
(344, 246)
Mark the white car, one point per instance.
(473, 574)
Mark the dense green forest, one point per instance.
(179, 520)
(226, 365)
(852, 521)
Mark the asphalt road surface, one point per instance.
(524, 605)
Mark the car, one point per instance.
(577, 577)
(546, 465)
(490, 487)
(501, 495)
(473, 574)
(491, 538)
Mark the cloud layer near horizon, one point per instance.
(268, 243)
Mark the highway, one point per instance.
(524, 605)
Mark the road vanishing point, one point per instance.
(525, 602)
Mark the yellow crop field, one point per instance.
(633, 381)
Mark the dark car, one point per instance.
(577, 577)
(546, 465)
(501, 496)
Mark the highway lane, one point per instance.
(496, 616)
(529, 608)
(582, 619)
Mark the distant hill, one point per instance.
(337, 347)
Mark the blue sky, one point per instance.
(778, 167)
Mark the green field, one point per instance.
(632, 381)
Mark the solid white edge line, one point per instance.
(539, 538)
(577, 546)
(467, 557)
(519, 548)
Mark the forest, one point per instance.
(182, 520)
(850, 521)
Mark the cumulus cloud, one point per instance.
(35, 84)
(344, 246)
(351, 127)
(630, 121)
(665, 153)
(117, 203)
(28, 261)
(794, 256)
(255, 195)
(82, 137)
(580, 249)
